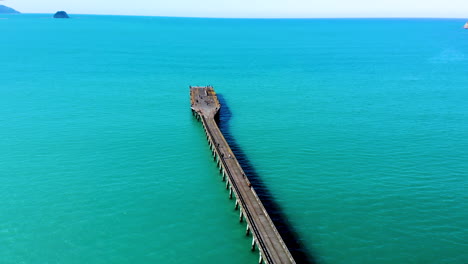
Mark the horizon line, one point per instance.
(214, 17)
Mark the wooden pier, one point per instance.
(265, 236)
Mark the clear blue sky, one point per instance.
(251, 8)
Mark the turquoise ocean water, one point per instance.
(358, 129)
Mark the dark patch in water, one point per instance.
(287, 232)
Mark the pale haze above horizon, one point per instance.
(251, 8)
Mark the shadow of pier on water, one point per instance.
(287, 232)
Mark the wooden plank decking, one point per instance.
(272, 249)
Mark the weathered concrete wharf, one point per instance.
(265, 237)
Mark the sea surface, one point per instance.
(355, 129)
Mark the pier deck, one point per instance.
(265, 236)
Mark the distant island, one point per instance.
(7, 10)
(61, 14)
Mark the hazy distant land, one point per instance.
(7, 10)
